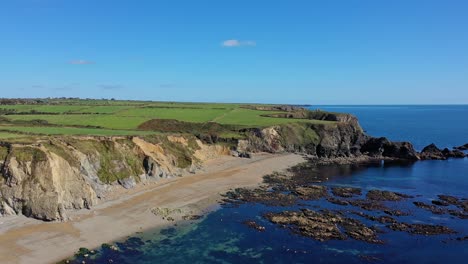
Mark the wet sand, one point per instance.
(24, 240)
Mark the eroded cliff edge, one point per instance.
(53, 175)
(46, 179)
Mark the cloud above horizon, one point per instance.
(81, 62)
(231, 43)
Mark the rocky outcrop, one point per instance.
(432, 152)
(340, 139)
(462, 147)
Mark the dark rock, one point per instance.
(432, 152)
(378, 195)
(346, 191)
(459, 214)
(323, 225)
(337, 201)
(449, 199)
(396, 213)
(311, 192)
(192, 217)
(400, 150)
(254, 225)
(452, 153)
(464, 205)
(244, 155)
(385, 148)
(384, 219)
(440, 203)
(421, 229)
(259, 195)
(434, 209)
(424, 229)
(462, 147)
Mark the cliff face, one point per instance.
(46, 179)
(344, 138)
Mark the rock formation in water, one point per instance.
(432, 152)
(462, 147)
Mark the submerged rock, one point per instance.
(323, 225)
(434, 209)
(384, 219)
(368, 205)
(260, 195)
(334, 200)
(421, 229)
(346, 192)
(312, 192)
(254, 225)
(378, 195)
(449, 199)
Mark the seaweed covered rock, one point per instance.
(323, 225)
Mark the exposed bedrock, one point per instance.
(340, 139)
(462, 147)
(432, 152)
(46, 179)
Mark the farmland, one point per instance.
(121, 118)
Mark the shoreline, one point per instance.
(127, 212)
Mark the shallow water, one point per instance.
(223, 238)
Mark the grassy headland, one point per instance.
(30, 117)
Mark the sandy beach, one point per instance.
(24, 240)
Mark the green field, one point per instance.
(106, 117)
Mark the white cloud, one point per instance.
(230, 43)
(81, 62)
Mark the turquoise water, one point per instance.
(221, 237)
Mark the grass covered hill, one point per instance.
(21, 118)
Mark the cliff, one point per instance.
(45, 179)
(344, 138)
(53, 175)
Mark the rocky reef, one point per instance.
(305, 208)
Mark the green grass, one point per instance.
(197, 115)
(44, 108)
(106, 117)
(8, 135)
(71, 131)
(105, 121)
(103, 109)
(247, 117)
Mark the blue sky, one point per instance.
(291, 51)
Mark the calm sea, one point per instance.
(222, 238)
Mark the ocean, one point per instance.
(222, 236)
